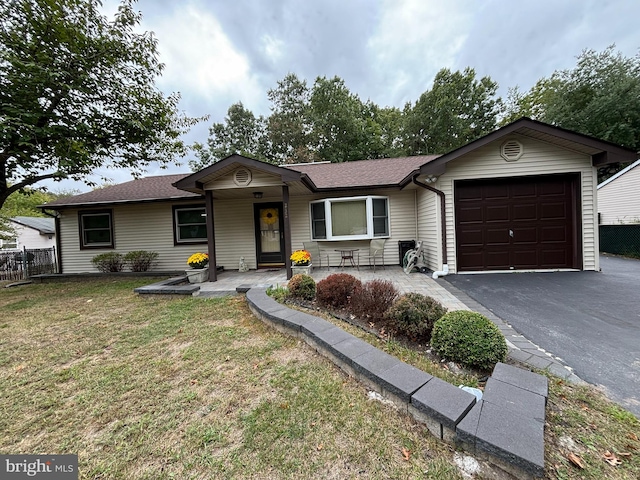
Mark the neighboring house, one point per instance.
(520, 198)
(31, 232)
(619, 197)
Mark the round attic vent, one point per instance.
(242, 177)
(511, 150)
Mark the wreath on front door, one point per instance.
(269, 216)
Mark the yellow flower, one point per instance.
(301, 257)
(198, 260)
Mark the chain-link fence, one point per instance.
(22, 264)
(620, 239)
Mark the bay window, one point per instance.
(350, 218)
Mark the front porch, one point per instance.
(229, 281)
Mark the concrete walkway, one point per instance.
(520, 348)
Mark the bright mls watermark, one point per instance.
(49, 467)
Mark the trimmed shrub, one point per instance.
(469, 339)
(371, 300)
(302, 286)
(140, 260)
(109, 262)
(336, 290)
(414, 315)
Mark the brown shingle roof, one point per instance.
(362, 173)
(359, 174)
(142, 189)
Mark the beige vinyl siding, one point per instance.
(429, 227)
(619, 200)
(539, 158)
(146, 226)
(402, 217)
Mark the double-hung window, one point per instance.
(96, 228)
(350, 218)
(190, 224)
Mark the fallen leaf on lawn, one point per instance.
(194, 381)
(585, 408)
(90, 300)
(611, 459)
(313, 424)
(255, 366)
(19, 368)
(633, 436)
(624, 454)
(576, 460)
(351, 404)
(406, 453)
(320, 447)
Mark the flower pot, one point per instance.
(197, 275)
(306, 269)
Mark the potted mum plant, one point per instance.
(301, 262)
(199, 271)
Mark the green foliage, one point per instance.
(600, 97)
(78, 91)
(371, 300)
(336, 290)
(302, 286)
(140, 260)
(278, 293)
(109, 262)
(470, 339)
(414, 315)
(458, 109)
(241, 133)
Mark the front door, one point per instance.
(269, 234)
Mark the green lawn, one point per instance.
(153, 388)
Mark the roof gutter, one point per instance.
(443, 225)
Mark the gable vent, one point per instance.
(242, 177)
(511, 150)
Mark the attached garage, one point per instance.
(518, 223)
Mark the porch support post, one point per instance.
(211, 239)
(287, 230)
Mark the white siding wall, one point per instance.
(539, 158)
(619, 200)
(30, 238)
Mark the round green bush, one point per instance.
(414, 315)
(469, 339)
(302, 286)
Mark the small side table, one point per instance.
(349, 254)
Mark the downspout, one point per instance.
(443, 226)
(58, 252)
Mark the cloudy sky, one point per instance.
(218, 52)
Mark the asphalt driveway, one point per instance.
(589, 319)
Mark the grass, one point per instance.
(161, 388)
(154, 388)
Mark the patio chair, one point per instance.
(316, 254)
(376, 250)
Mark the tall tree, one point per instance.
(600, 97)
(241, 133)
(78, 92)
(458, 109)
(339, 124)
(289, 125)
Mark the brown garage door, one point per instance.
(517, 223)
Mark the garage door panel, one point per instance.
(525, 235)
(497, 236)
(524, 213)
(540, 211)
(471, 214)
(554, 210)
(496, 213)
